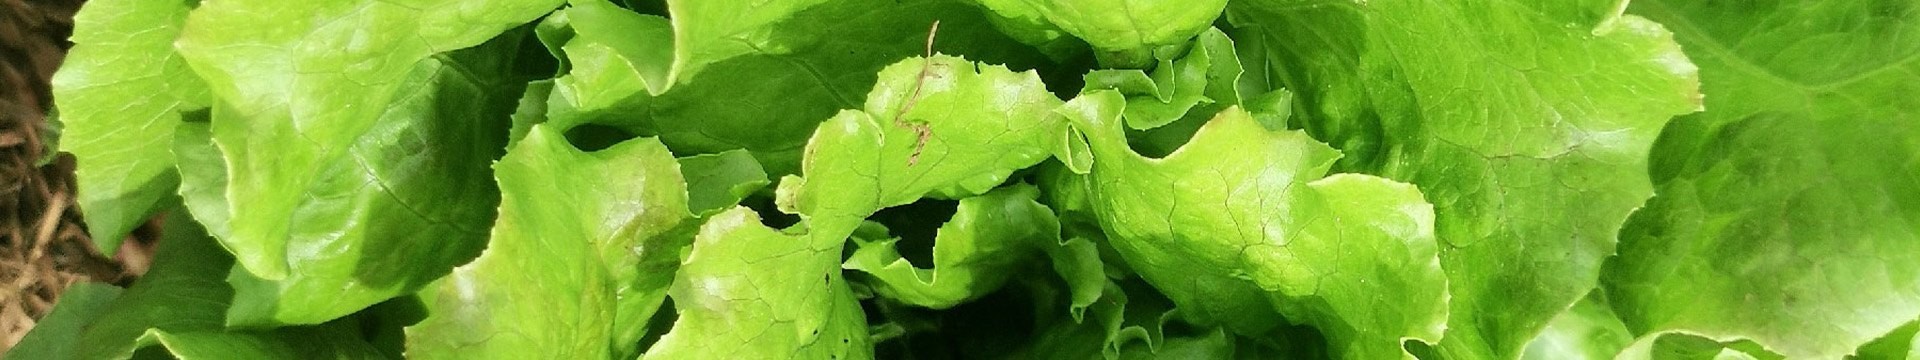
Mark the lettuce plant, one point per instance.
(853, 179)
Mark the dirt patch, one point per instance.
(43, 241)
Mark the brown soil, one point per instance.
(43, 242)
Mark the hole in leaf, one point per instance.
(770, 214)
(1065, 79)
(916, 225)
(384, 324)
(661, 322)
(201, 115)
(1162, 141)
(985, 323)
(1420, 349)
(979, 329)
(150, 352)
(596, 137)
(648, 7)
(531, 60)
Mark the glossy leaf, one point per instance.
(975, 253)
(1589, 330)
(330, 341)
(1902, 343)
(716, 182)
(573, 269)
(57, 335)
(942, 125)
(120, 94)
(1118, 25)
(1242, 226)
(1205, 73)
(181, 292)
(804, 73)
(616, 54)
(403, 204)
(307, 84)
(1781, 208)
(748, 291)
(1527, 127)
(706, 32)
(1254, 179)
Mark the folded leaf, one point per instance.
(749, 292)
(942, 125)
(1682, 346)
(203, 175)
(1782, 207)
(708, 31)
(181, 292)
(986, 242)
(767, 101)
(57, 335)
(1526, 123)
(120, 94)
(716, 182)
(181, 295)
(1021, 21)
(1128, 321)
(307, 82)
(615, 54)
(1119, 25)
(577, 264)
(612, 54)
(329, 341)
(407, 201)
(1205, 73)
(1902, 343)
(1589, 330)
(1240, 227)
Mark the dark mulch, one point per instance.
(43, 241)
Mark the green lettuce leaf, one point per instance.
(1134, 320)
(1128, 321)
(716, 182)
(577, 264)
(1206, 73)
(334, 340)
(1528, 128)
(1589, 330)
(306, 83)
(817, 71)
(1022, 22)
(746, 291)
(203, 175)
(120, 94)
(614, 54)
(1902, 343)
(1126, 27)
(405, 202)
(706, 31)
(1675, 346)
(181, 292)
(988, 239)
(1242, 226)
(57, 335)
(530, 110)
(1786, 210)
(942, 125)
